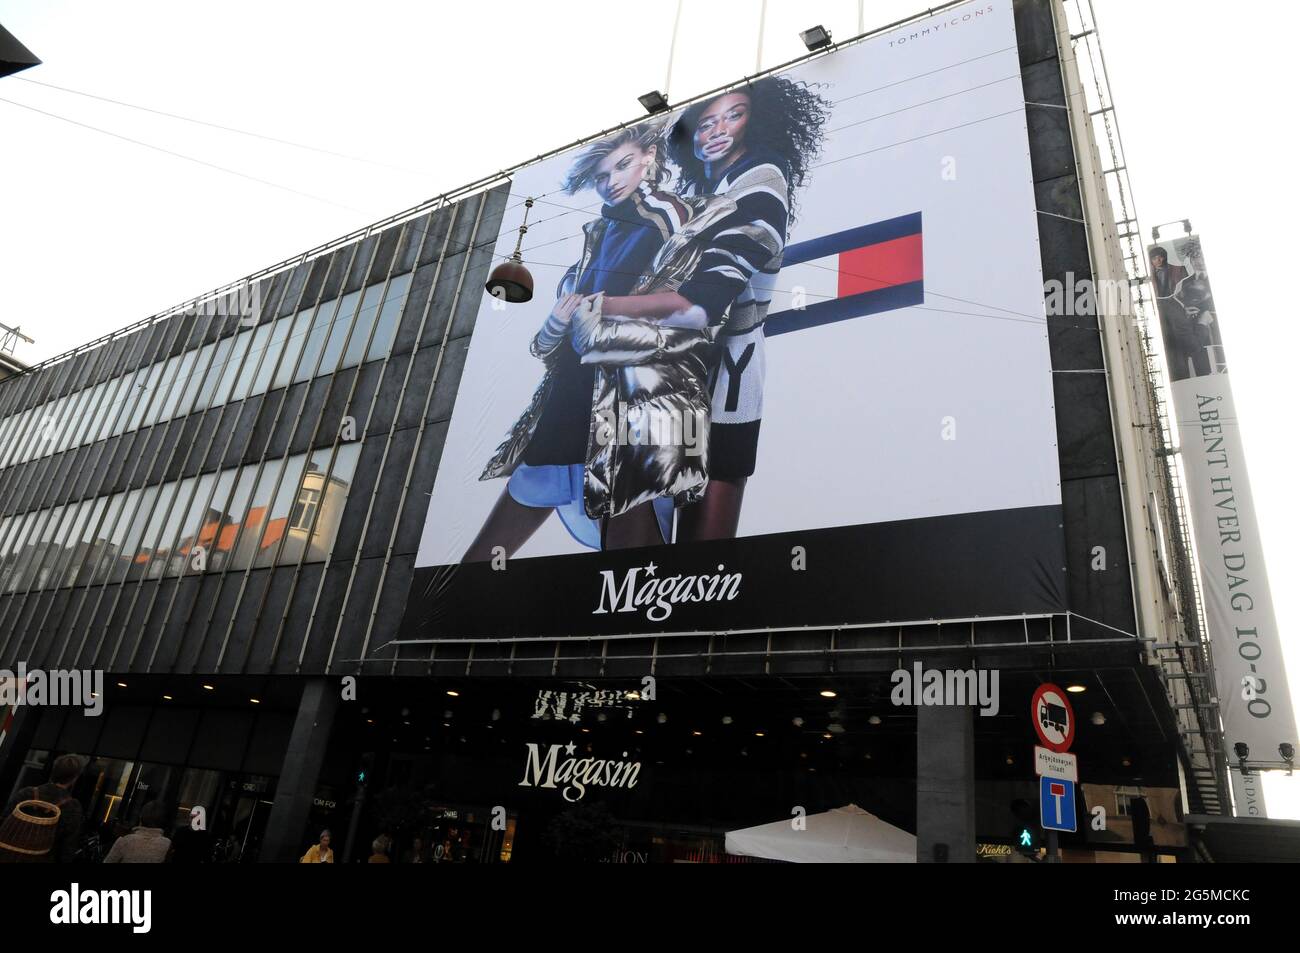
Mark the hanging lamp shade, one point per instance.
(511, 281)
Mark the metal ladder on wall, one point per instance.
(1186, 665)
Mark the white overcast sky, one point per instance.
(96, 233)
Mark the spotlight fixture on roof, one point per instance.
(1242, 751)
(1287, 751)
(511, 281)
(13, 55)
(818, 38)
(654, 102)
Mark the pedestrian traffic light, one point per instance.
(363, 771)
(1027, 832)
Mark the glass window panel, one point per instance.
(103, 422)
(103, 551)
(256, 518)
(309, 364)
(126, 396)
(43, 556)
(181, 393)
(145, 393)
(71, 544)
(28, 547)
(11, 436)
(12, 526)
(83, 414)
(284, 374)
(7, 533)
(45, 565)
(37, 426)
(9, 451)
(24, 436)
(338, 333)
(57, 427)
(25, 529)
(59, 435)
(100, 394)
(197, 526)
(13, 560)
(274, 354)
(331, 496)
(366, 317)
(82, 563)
(257, 354)
(386, 326)
(231, 362)
(15, 428)
(5, 525)
(166, 384)
(280, 478)
(155, 512)
(215, 372)
(133, 554)
(235, 512)
(21, 437)
(86, 414)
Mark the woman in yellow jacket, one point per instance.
(319, 853)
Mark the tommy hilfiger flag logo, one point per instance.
(858, 271)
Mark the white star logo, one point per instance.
(569, 748)
(650, 570)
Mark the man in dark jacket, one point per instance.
(58, 791)
(1184, 349)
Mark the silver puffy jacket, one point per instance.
(651, 383)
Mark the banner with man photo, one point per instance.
(1254, 698)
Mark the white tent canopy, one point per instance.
(843, 835)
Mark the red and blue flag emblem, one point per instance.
(859, 271)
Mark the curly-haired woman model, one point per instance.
(753, 145)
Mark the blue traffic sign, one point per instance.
(1056, 804)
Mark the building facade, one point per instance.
(221, 509)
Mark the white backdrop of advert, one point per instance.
(855, 412)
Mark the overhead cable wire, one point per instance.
(182, 155)
(216, 125)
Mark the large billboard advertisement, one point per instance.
(786, 365)
(1254, 699)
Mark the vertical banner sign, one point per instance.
(1248, 794)
(1254, 698)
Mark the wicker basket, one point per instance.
(27, 835)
